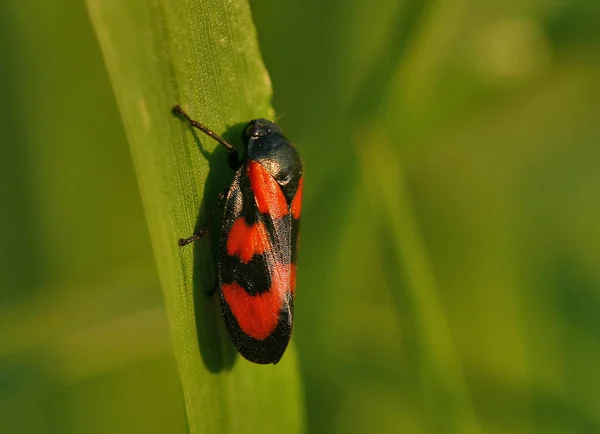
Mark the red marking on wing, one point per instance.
(258, 315)
(268, 194)
(247, 240)
(297, 202)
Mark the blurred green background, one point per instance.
(450, 269)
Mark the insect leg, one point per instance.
(185, 241)
(177, 110)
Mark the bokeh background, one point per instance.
(450, 270)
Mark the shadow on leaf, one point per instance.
(215, 347)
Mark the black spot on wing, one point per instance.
(239, 202)
(249, 209)
(254, 276)
(294, 239)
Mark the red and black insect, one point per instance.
(259, 240)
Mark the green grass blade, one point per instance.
(443, 383)
(204, 56)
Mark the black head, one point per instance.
(267, 145)
(259, 128)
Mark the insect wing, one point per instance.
(256, 273)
